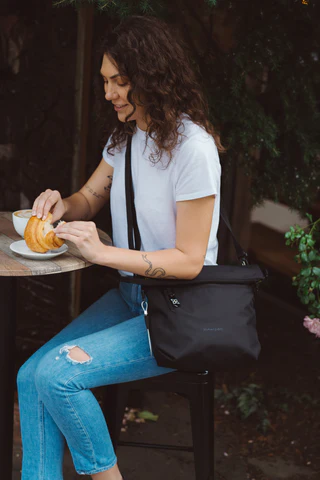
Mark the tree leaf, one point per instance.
(312, 256)
(316, 271)
(306, 272)
(302, 246)
(148, 415)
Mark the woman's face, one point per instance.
(116, 90)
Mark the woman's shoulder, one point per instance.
(194, 136)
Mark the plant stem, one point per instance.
(314, 225)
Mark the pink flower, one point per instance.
(313, 325)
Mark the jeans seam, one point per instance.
(83, 428)
(42, 437)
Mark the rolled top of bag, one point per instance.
(235, 274)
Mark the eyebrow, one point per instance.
(113, 76)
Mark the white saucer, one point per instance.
(21, 248)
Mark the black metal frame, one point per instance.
(7, 371)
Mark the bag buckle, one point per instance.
(144, 306)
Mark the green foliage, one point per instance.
(303, 399)
(146, 415)
(279, 117)
(308, 280)
(262, 81)
(249, 401)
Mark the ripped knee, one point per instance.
(75, 354)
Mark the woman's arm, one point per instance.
(186, 260)
(193, 226)
(82, 205)
(86, 203)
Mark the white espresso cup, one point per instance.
(20, 219)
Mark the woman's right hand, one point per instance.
(49, 201)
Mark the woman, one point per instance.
(176, 176)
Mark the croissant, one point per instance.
(39, 235)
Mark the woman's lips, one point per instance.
(117, 109)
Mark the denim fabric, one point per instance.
(55, 401)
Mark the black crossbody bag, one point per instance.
(207, 323)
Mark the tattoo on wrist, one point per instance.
(95, 194)
(108, 187)
(155, 272)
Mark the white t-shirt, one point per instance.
(193, 172)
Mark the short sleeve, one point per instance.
(106, 156)
(198, 169)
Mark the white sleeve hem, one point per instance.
(193, 196)
(108, 162)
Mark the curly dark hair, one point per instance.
(146, 50)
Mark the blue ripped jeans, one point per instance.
(55, 401)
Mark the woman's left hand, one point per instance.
(85, 236)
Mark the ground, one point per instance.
(284, 385)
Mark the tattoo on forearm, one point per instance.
(156, 272)
(95, 194)
(108, 187)
(87, 214)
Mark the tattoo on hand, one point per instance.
(95, 194)
(156, 272)
(108, 187)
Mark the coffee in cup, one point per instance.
(20, 219)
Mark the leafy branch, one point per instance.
(258, 403)
(308, 280)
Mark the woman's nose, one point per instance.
(110, 94)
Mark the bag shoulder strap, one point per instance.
(134, 239)
(241, 254)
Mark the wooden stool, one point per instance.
(197, 387)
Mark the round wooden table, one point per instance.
(13, 265)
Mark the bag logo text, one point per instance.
(217, 329)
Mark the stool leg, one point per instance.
(113, 407)
(202, 423)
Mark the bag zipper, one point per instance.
(172, 298)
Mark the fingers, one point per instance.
(71, 231)
(45, 202)
(76, 232)
(77, 228)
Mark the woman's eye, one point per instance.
(119, 84)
